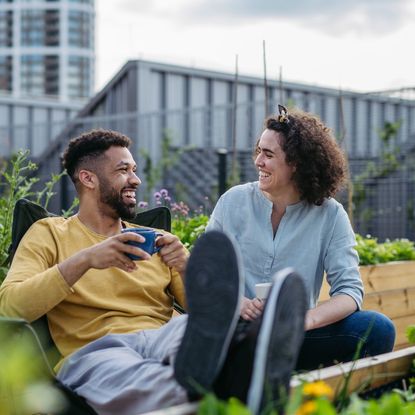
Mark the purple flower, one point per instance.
(157, 195)
(142, 204)
(167, 198)
(175, 209)
(164, 193)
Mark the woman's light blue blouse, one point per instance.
(312, 239)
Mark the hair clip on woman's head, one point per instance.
(283, 114)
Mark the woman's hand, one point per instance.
(251, 309)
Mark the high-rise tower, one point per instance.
(47, 48)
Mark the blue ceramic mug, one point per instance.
(149, 245)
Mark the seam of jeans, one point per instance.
(333, 336)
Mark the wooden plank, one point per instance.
(393, 303)
(324, 292)
(371, 371)
(382, 277)
(390, 276)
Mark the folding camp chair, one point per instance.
(24, 215)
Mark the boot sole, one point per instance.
(280, 337)
(213, 292)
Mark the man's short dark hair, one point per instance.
(85, 150)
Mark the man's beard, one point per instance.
(112, 198)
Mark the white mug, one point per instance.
(262, 290)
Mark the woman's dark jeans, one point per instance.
(339, 342)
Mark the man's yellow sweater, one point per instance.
(102, 301)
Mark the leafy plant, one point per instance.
(187, 225)
(24, 387)
(188, 229)
(211, 405)
(303, 403)
(372, 252)
(410, 333)
(16, 183)
(153, 173)
(388, 163)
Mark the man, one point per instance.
(110, 317)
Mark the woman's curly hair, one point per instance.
(321, 167)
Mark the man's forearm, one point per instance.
(74, 267)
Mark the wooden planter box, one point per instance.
(389, 289)
(372, 372)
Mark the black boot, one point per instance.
(260, 362)
(213, 292)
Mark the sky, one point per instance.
(362, 45)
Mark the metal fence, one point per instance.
(385, 209)
(381, 205)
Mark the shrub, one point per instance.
(187, 225)
(16, 183)
(372, 252)
(303, 403)
(25, 387)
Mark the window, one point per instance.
(51, 28)
(40, 28)
(80, 29)
(79, 78)
(82, 1)
(6, 32)
(40, 74)
(6, 73)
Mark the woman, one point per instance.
(289, 218)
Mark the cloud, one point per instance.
(332, 16)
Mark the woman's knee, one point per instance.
(381, 333)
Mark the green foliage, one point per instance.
(24, 386)
(68, 212)
(388, 164)
(234, 176)
(408, 394)
(410, 333)
(211, 405)
(16, 183)
(187, 225)
(188, 229)
(153, 173)
(372, 252)
(388, 404)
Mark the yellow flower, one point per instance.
(317, 389)
(307, 408)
